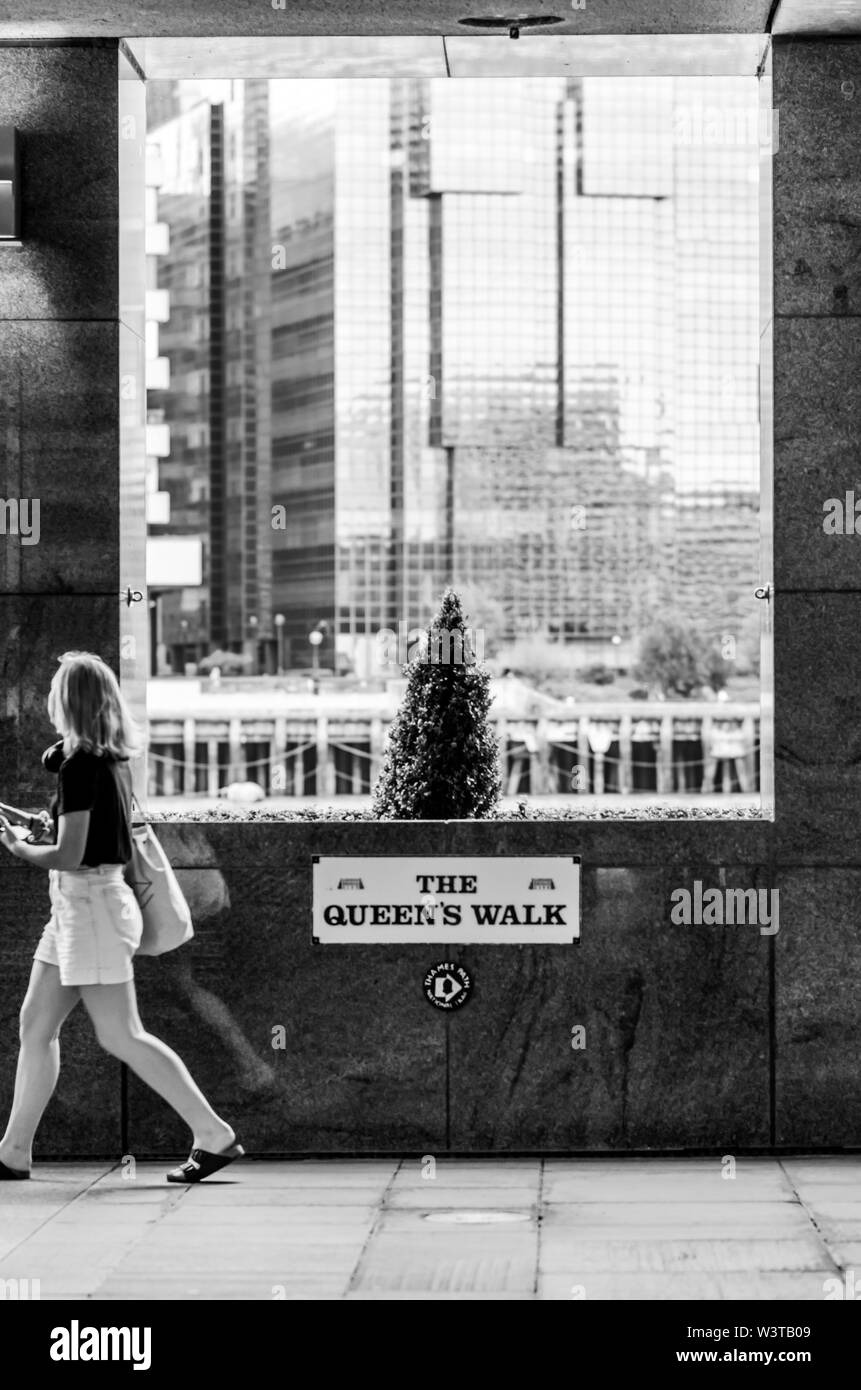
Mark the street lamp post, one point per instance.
(315, 638)
(279, 637)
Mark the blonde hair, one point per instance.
(88, 708)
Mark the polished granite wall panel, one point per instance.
(818, 743)
(60, 426)
(59, 386)
(817, 428)
(677, 1046)
(363, 1061)
(678, 1018)
(817, 617)
(817, 449)
(817, 179)
(59, 346)
(817, 347)
(84, 1117)
(63, 100)
(35, 629)
(817, 992)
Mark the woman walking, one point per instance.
(87, 947)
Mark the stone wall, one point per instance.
(697, 1037)
(62, 332)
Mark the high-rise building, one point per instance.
(496, 332)
(178, 368)
(302, 309)
(211, 145)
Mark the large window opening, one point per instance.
(507, 331)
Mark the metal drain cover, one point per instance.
(476, 1218)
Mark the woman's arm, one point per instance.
(67, 853)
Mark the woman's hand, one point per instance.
(10, 835)
(67, 853)
(43, 833)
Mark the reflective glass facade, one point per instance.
(495, 332)
(185, 201)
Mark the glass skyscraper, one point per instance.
(495, 332)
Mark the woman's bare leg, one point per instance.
(47, 1005)
(114, 1011)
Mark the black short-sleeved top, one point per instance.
(101, 785)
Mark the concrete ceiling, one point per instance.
(217, 18)
(818, 17)
(46, 19)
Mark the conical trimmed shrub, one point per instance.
(441, 762)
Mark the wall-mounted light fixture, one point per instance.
(10, 187)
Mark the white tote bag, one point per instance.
(166, 915)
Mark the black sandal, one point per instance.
(13, 1174)
(200, 1164)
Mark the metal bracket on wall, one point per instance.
(129, 596)
(10, 187)
(765, 592)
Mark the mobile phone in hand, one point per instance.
(40, 827)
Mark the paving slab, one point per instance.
(613, 1167)
(706, 1256)
(216, 1288)
(70, 1288)
(366, 1230)
(176, 1253)
(223, 1244)
(684, 1207)
(840, 1232)
(419, 1295)
(476, 1222)
(431, 1197)
(13, 1234)
(393, 1264)
(767, 1286)
(833, 1207)
(269, 1266)
(822, 1196)
(66, 1175)
(130, 1194)
(676, 1232)
(707, 1184)
(288, 1217)
(846, 1254)
(467, 1174)
(312, 1198)
(360, 1172)
(108, 1216)
(838, 1170)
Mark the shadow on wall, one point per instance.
(208, 897)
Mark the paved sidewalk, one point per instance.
(485, 1229)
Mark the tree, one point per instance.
(714, 667)
(678, 658)
(441, 762)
